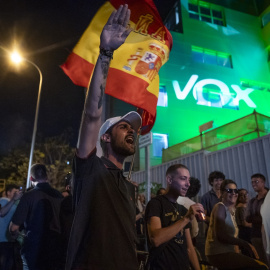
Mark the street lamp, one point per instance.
(16, 58)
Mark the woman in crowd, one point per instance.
(241, 205)
(222, 243)
(140, 209)
(141, 203)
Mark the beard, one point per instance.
(121, 147)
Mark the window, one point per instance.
(206, 56)
(162, 97)
(160, 141)
(255, 85)
(174, 19)
(206, 12)
(265, 19)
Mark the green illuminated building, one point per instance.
(218, 71)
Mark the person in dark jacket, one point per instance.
(38, 212)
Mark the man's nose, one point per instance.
(131, 130)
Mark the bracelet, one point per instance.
(107, 53)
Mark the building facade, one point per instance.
(218, 71)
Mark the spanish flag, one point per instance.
(133, 74)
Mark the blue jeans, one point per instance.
(25, 266)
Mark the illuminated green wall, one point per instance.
(266, 29)
(246, 42)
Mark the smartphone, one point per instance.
(200, 217)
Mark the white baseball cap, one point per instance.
(133, 118)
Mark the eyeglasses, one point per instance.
(231, 190)
(255, 182)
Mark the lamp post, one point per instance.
(17, 58)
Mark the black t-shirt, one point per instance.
(66, 219)
(103, 232)
(254, 216)
(38, 211)
(173, 254)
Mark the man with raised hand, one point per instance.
(103, 232)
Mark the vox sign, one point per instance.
(223, 99)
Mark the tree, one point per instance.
(14, 166)
(154, 187)
(55, 152)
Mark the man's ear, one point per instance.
(106, 137)
(169, 179)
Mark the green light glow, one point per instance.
(197, 49)
(242, 42)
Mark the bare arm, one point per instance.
(194, 228)
(4, 210)
(159, 235)
(112, 37)
(14, 230)
(241, 214)
(139, 216)
(247, 224)
(193, 258)
(204, 203)
(248, 217)
(219, 223)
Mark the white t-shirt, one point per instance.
(265, 213)
(187, 202)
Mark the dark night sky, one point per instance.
(47, 31)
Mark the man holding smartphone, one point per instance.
(168, 224)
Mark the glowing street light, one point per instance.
(16, 58)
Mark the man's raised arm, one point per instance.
(112, 37)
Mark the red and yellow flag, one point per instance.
(133, 74)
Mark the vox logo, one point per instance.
(221, 99)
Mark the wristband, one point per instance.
(107, 53)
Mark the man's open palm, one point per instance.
(115, 31)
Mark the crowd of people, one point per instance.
(237, 234)
(97, 221)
